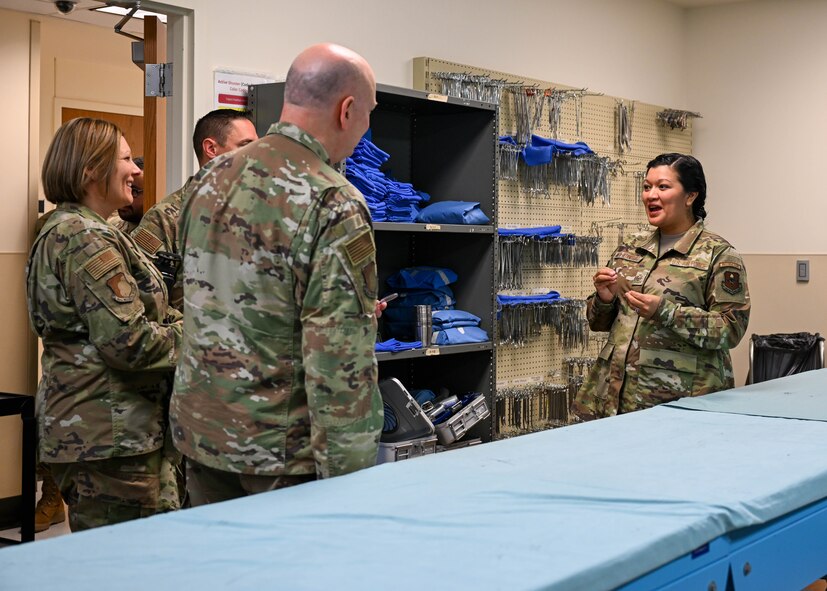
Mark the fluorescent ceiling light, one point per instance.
(124, 11)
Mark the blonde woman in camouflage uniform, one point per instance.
(110, 342)
(675, 301)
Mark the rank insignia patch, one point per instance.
(732, 282)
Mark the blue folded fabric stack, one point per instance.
(457, 327)
(453, 212)
(417, 286)
(392, 345)
(539, 232)
(388, 199)
(517, 300)
(542, 150)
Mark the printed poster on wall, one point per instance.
(230, 88)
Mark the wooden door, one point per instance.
(131, 125)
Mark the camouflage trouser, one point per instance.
(104, 492)
(208, 485)
(43, 471)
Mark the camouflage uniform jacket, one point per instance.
(277, 372)
(109, 342)
(158, 232)
(683, 350)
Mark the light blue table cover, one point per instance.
(800, 396)
(586, 507)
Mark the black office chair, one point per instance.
(784, 354)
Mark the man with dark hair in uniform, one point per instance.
(216, 133)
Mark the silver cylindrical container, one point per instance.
(424, 324)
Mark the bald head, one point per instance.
(322, 74)
(329, 92)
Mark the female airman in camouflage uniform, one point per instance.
(110, 342)
(675, 301)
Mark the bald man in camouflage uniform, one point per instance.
(218, 132)
(277, 380)
(683, 348)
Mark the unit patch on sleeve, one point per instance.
(121, 289)
(732, 282)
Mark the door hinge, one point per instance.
(158, 78)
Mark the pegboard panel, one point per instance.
(591, 119)
(535, 361)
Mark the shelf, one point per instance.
(446, 147)
(433, 228)
(435, 351)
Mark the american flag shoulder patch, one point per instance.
(102, 263)
(360, 248)
(148, 242)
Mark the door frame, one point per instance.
(180, 159)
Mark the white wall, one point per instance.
(620, 48)
(758, 73)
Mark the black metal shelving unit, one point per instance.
(447, 148)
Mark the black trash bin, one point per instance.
(784, 354)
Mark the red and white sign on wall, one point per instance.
(230, 88)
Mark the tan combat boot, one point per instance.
(49, 510)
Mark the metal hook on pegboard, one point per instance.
(676, 118)
(624, 116)
(557, 97)
(639, 176)
(477, 87)
(528, 110)
(526, 408)
(508, 156)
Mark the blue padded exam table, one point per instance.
(731, 486)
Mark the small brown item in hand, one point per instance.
(623, 284)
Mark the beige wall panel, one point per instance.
(10, 456)
(13, 370)
(101, 83)
(14, 99)
(780, 303)
(15, 322)
(14, 71)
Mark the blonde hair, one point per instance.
(83, 151)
